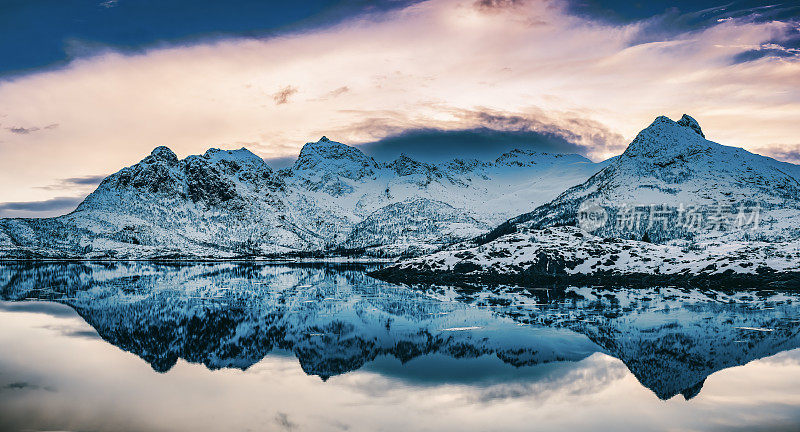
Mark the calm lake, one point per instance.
(246, 347)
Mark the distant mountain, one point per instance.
(225, 204)
(674, 208)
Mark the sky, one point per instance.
(88, 87)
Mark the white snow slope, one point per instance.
(226, 204)
(672, 166)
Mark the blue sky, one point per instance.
(88, 87)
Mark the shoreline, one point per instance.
(727, 280)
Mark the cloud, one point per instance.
(277, 163)
(25, 131)
(339, 91)
(491, 5)
(283, 422)
(91, 180)
(584, 135)
(785, 153)
(439, 65)
(22, 385)
(22, 130)
(75, 183)
(52, 309)
(282, 96)
(73, 332)
(479, 143)
(45, 208)
(133, 26)
(480, 133)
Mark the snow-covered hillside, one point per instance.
(337, 188)
(671, 183)
(715, 211)
(569, 255)
(226, 204)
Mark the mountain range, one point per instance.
(673, 208)
(673, 203)
(226, 204)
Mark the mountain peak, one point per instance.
(163, 153)
(529, 158)
(235, 159)
(686, 121)
(405, 165)
(517, 157)
(665, 139)
(336, 157)
(689, 121)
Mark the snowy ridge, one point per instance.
(229, 203)
(671, 165)
(569, 255)
(590, 234)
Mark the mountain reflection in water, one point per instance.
(335, 319)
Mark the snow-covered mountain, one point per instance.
(671, 182)
(230, 203)
(716, 211)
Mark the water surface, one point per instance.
(224, 346)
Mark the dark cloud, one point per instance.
(73, 332)
(277, 163)
(483, 143)
(22, 385)
(282, 420)
(786, 155)
(282, 96)
(51, 205)
(662, 19)
(75, 182)
(582, 134)
(85, 180)
(491, 5)
(372, 123)
(133, 26)
(788, 47)
(47, 308)
(486, 134)
(22, 130)
(480, 372)
(688, 14)
(25, 131)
